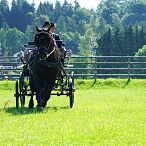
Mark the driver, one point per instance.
(46, 25)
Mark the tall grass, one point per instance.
(105, 114)
(87, 84)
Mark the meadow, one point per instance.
(110, 112)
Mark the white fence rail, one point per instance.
(87, 66)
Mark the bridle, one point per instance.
(51, 42)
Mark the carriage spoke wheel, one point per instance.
(17, 93)
(71, 90)
(22, 92)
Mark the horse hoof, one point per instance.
(39, 109)
(31, 105)
(44, 104)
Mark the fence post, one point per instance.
(95, 68)
(129, 66)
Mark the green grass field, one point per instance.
(108, 113)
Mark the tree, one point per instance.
(129, 41)
(107, 8)
(57, 11)
(105, 43)
(118, 40)
(73, 23)
(61, 24)
(141, 51)
(29, 34)
(142, 37)
(67, 9)
(20, 9)
(87, 43)
(14, 41)
(77, 5)
(3, 33)
(4, 13)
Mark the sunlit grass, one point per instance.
(105, 116)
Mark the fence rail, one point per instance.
(87, 66)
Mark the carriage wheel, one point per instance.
(17, 94)
(71, 90)
(72, 76)
(22, 91)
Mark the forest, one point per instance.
(116, 27)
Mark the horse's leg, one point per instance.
(31, 102)
(38, 89)
(47, 92)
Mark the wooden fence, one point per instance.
(86, 67)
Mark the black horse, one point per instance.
(45, 67)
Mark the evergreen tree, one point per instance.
(105, 43)
(21, 9)
(3, 33)
(142, 38)
(67, 9)
(129, 41)
(57, 11)
(4, 13)
(118, 41)
(73, 23)
(77, 5)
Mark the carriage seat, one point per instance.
(61, 46)
(59, 43)
(31, 43)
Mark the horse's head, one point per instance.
(44, 43)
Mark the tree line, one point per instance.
(121, 42)
(116, 27)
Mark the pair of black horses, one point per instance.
(44, 68)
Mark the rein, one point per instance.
(51, 52)
(53, 44)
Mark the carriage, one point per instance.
(63, 85)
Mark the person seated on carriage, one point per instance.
(46, 25)
(51, 29)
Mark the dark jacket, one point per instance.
(58, 40)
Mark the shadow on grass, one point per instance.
(20, 111)
(127, 83)
(93, 83)
(57, 108)
(26, 111)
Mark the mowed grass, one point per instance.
(101, 116)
